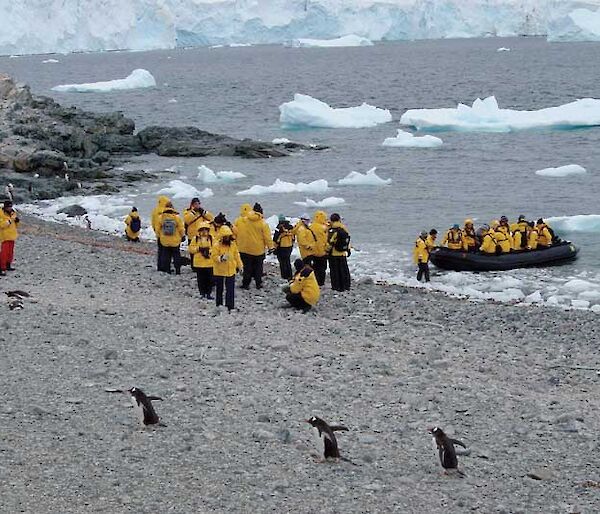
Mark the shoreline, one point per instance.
(518, 385)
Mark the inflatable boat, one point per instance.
(455, 260)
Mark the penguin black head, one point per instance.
(436, 431)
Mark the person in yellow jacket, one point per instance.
(469, 238)
(504, 227)
(253, 241)
(503, 242)
(200, 249)
(453, 238)
(170, 234)
(421, 256)
(544, 238)
(431, 240)
(320, 228)
(9, 222)
(520, 232)
(133, 225)
(307, 240)
(303, 292)
(338, 249)
(193, 216)
(156, 212)
(284, 238)
(488, 241)
(226, 263)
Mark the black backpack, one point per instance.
(135, 224)
(342, 241)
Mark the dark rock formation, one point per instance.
(73, 210)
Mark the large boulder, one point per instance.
(44, 162)
(73, 210)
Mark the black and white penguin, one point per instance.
(143, 406)
(326, 436)
(445, 447)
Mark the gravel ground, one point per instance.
(518, 385)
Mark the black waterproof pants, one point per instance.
(205, 281)
(253, 269)
(423, 271)
(319, 266)
(227, 283)
(166, 254)
(297, 301)
(285, 265)
(339, 273)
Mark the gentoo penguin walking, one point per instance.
(326, 436)
(445, 446)
(143, 406)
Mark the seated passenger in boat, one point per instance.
(453, 238)
(488, 241)
(505, 229)
(469, 238)
(520, 232)
(544, 238)
(503, 242)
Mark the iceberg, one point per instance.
(349, 40)
(139, 78)
(562, 171)
(486, 116)
(330, 201)
(578, 223)
(407, 140)
(50, 61)
(576, 25)
(306, 111)
(281, 141)
(503, 49)
(279, 186)
(180, 189)
(370, 178)
(208, 176)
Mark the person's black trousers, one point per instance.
(229, 284)
(319, 266)
(423, 271)
(253, 269)
(205, 280)
(339, 273)
(285, 265)
(297, 301)
(166, 254)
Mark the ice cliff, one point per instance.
(46, 26)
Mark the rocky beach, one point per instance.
(518, 385)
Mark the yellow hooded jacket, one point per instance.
(488, 243)
(201, 249)
(420, 252)
(226, 259)
(193, 219)
(174, 239)
(320, 229)
(253, 234)
(306, 239)
(544, 236)
(453, 239)
(157, 211)
(8, 225)
(305, 284)
(333, 235)
(130, 233)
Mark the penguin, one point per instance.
(143, 405)
(17, 294)
(326, 437)
(445, 447)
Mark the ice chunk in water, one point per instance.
(562, 171)
(280, 186)
(139, 78)
(180, 189)
(407, 140)
(370, 178)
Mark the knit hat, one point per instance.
(281, 218)
(298, 264)
(257, 208)
(334, 217)
(220, 219)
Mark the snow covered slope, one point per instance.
(41, 26)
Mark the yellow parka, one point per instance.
(468, 238)
(505, 229)
(284, 237)
(174, 239)
(130, 233)
(226, 259)
(430, 242)
(520, 231)
(488, 243)
(307, 240)
(305, 284)
(253, 234)
(420, 252)
(239, 222)
(453, 239)
(544, 236)
(8, 225)
(157, 211)
(320, 229)
(332, 238)
(201, 249)
(193, 219)
(505, 242)
(532, 239)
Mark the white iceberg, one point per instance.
(578, 223)
(330, 201)
(503, 49)
(575, 25)
(279, 186)
(306, 111)
(281, 141)
(370, 178)
(208, 176)
(180, 189)
(137, 79)
(50, 61)
(349, 40)
(486, 116)
(407, 140)
(562, 171)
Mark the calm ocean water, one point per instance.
(238, 90)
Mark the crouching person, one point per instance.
(200, 249)
(226, 263)
(303, 292)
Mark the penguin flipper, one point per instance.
(339, 428)
(456, 441)
(155, 398)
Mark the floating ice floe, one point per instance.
(281, 141)
(562, 171)
(179, 189)
(407, 140)
(370, 178)
(330, 201)
(172, 101)
(344, 41)
(576, 25)
(306, 111)
(486, 116)
(208, 176)
(578, 223)
(50, 61)
(279, 186)
(139, 78)
(503, 49)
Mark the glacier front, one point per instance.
(55, 26)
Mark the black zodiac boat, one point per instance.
(455, 260)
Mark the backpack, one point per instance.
(342, 241)
(168, 227)
(135, 225)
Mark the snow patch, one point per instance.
(137, 79)
(407, 140)
(370, 178)
(562, 171)
(306, 111)
(344, 41)
(279, 186)
(330, 201)
(180, 189)
(208, 176)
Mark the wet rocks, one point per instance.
(73, 211)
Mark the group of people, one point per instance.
(497, 238)
(220, 249)
(9, 223)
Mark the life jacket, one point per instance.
(454, 236)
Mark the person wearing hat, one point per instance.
(504, 228)
(9, 222)
(226, 263)
(469, 238)
(303, 292)
(320, 228)
(170, 234)
(133, 225)
(544, 239)
(338, 249)
(154, 217)
(488, 240)
(200, 249)
(307, 240)
(453, 238)
(193, 216)
(284, 243)
(520, 233)
(421, 256)
(431, 240)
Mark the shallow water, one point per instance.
(238, 91)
